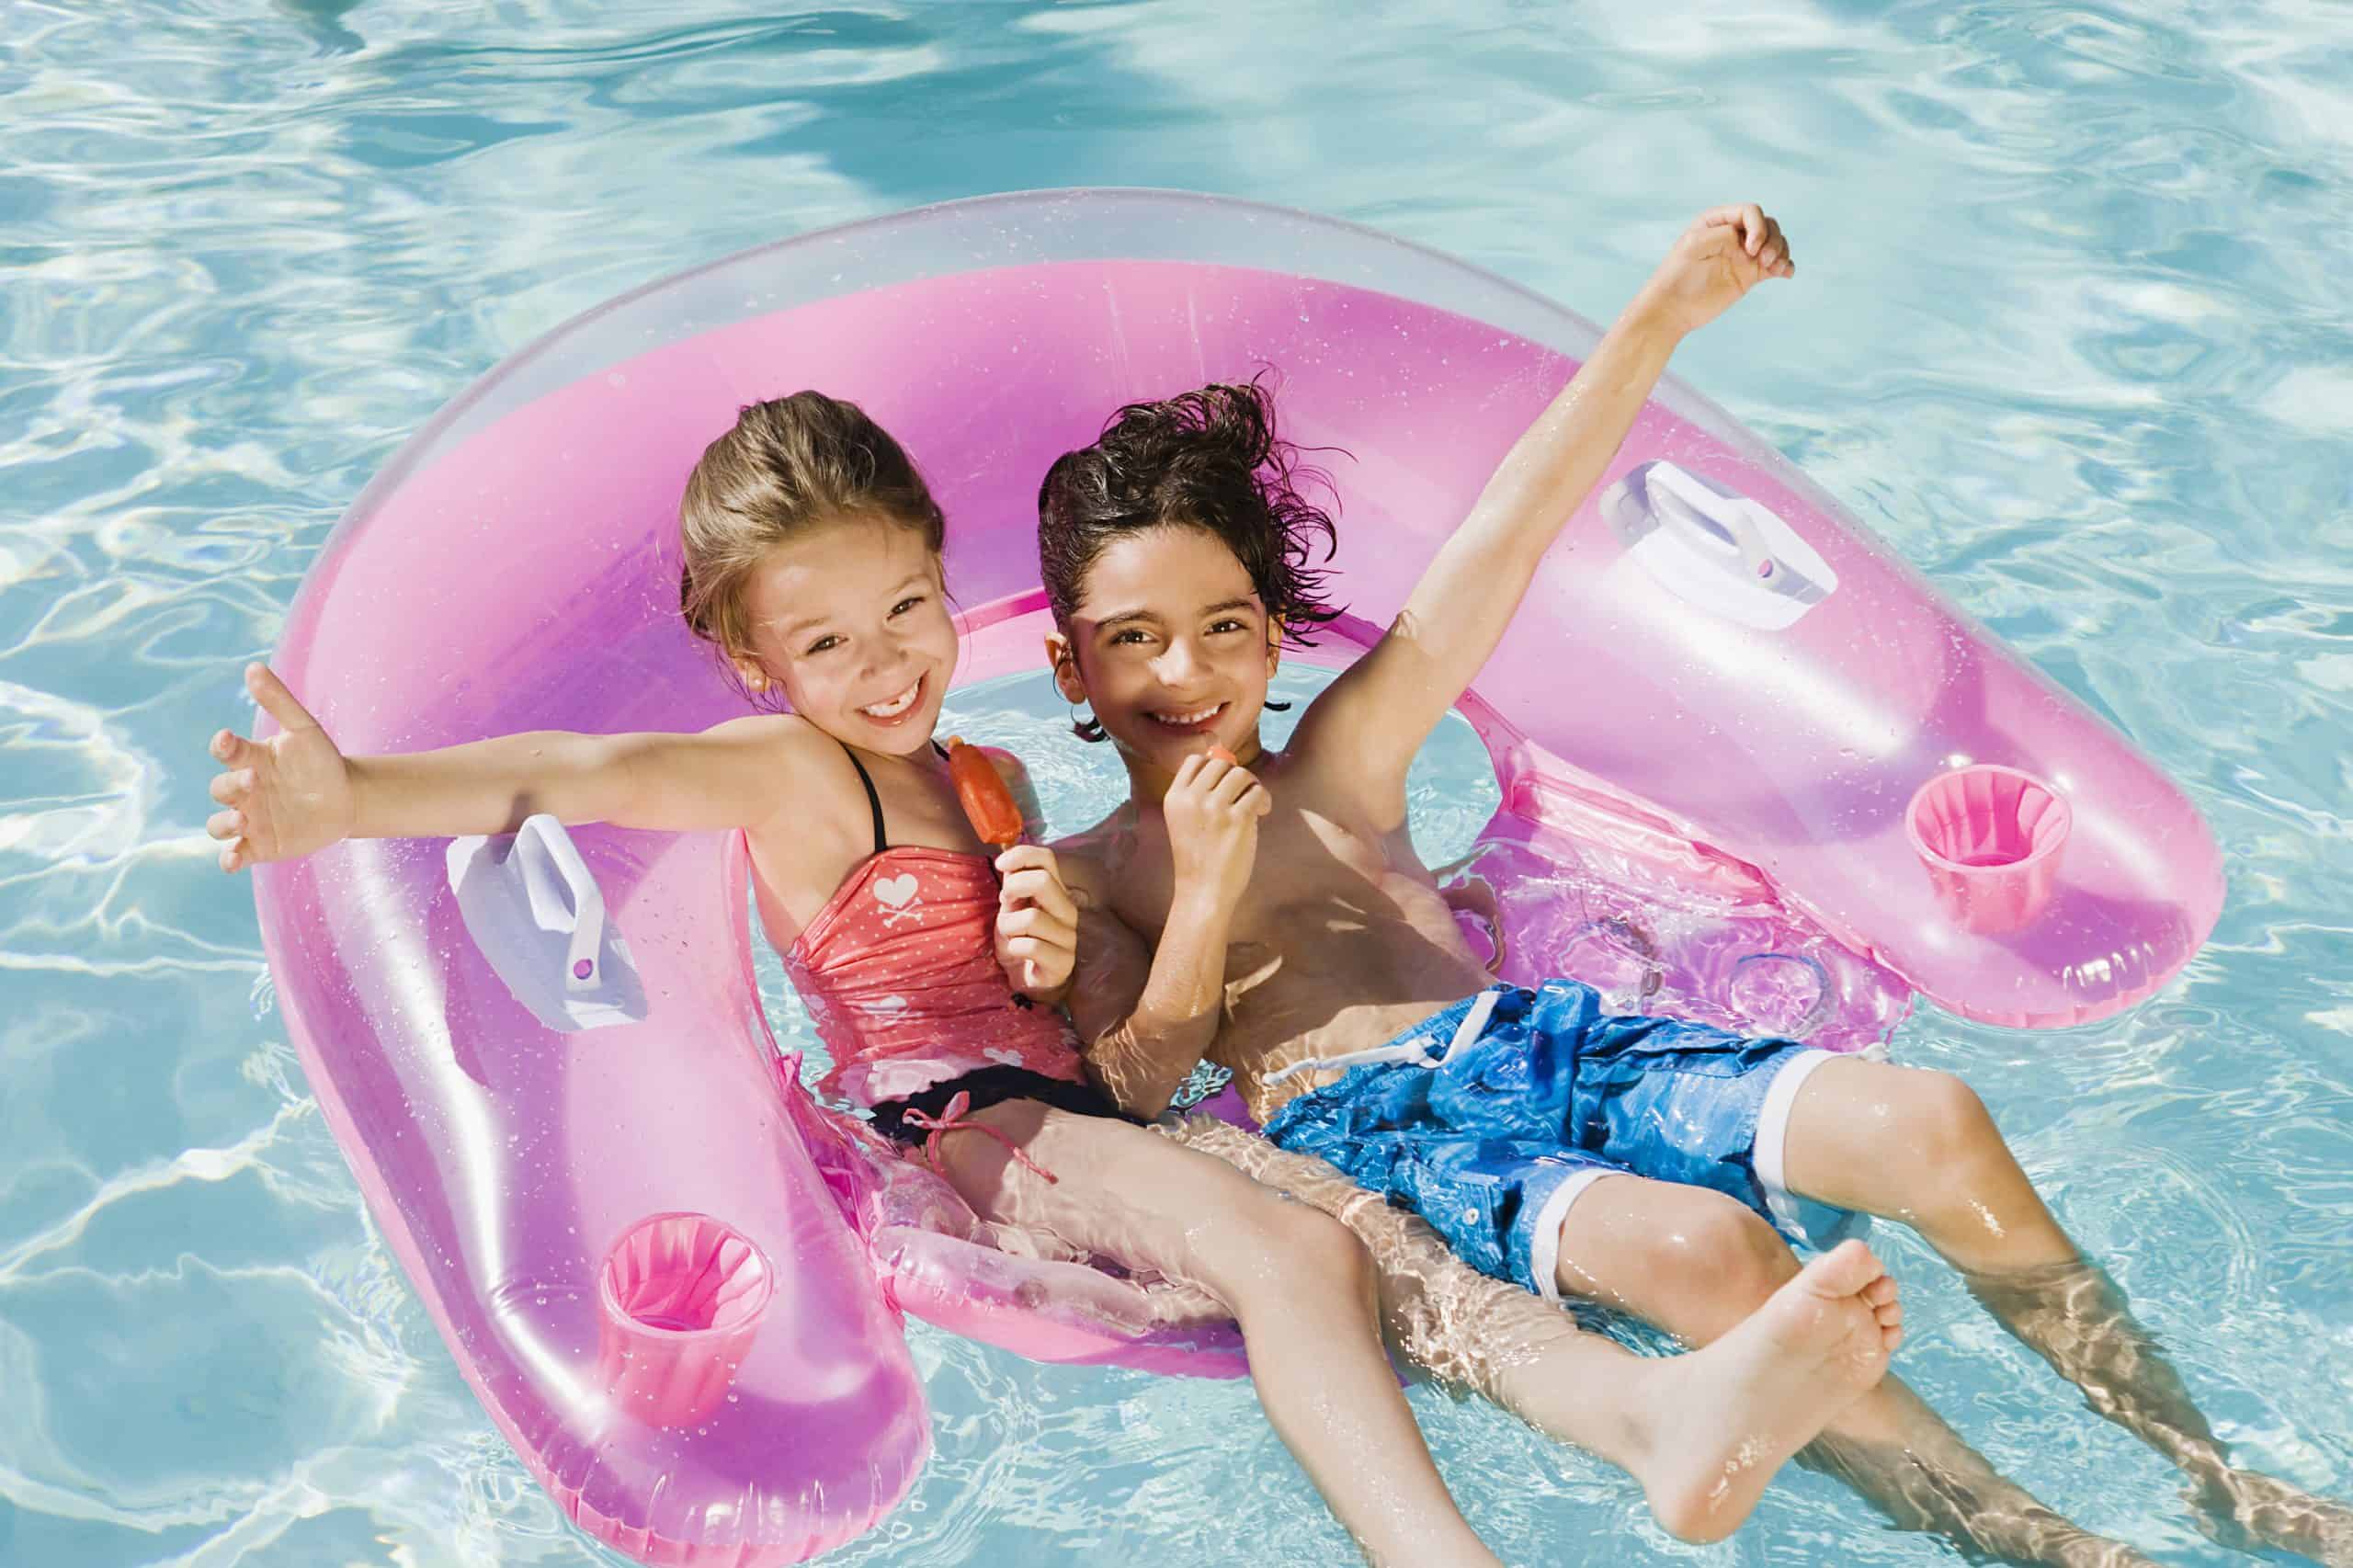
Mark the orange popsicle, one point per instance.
(988, 805)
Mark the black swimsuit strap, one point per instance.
(874, 799)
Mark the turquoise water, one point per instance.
(2069, 329)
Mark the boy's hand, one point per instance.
(286, 796)
(1213, 810)
(1036, 923)
(1726, 252)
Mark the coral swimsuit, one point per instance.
(900, 973)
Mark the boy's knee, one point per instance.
(1708, 1266)
(1730, 1253)
(1950, 1126)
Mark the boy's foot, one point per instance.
(1734, 1413)
(2249, 1511)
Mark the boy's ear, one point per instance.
(1274, 648)
(1064, 661)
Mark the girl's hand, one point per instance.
(1213, 810)
(1036, 923)
(1726, 252)
(285, 796)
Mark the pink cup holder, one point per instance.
(1991, 838)
(679, 1298)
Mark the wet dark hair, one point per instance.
(790, 465)
(1208, 460)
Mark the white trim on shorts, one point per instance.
(1773, 1138)
(1544, 1246)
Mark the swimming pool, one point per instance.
(2067, 330)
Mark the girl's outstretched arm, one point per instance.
(297, 792)
(1377, 715)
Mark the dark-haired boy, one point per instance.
(1265, 910)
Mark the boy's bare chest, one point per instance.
(1305, 858)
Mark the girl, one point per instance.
(812, 552)
(812, 549)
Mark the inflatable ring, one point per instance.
(676, 1281)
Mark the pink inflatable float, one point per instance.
(1754, 768)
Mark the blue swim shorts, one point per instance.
(1490, 1118)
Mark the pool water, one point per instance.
(2069, 328)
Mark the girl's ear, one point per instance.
(1064, 661)
(755, 674)
(1274, 647)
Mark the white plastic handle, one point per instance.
(549, 852)
(1717, 524)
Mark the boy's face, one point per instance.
(851, 620)
(1171, 645)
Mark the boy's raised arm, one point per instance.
(1379, 713)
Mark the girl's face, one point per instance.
(851, 619)
(1171, 644)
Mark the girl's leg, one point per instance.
(1697, 1263)
(1298, 1283)
(1919, 1146)
(1703, 1434)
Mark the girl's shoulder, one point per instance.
(806, 767)
(821, 827)
(787, 732)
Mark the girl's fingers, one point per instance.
(1027, 857)
(228, 747)
(1031, 871)
(232, 855)
(225, 825)
(1031, 921)
(276, 700)
(1033, 948)
(1043, 892)
(228, 788)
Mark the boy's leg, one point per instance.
(1695, 1262)
(1299, 1285)
(1919, 1146)
(1703, 1434)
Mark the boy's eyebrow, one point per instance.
(1246, 601)
(1124, 617)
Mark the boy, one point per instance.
(1265, 910)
